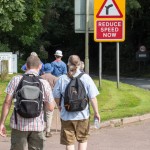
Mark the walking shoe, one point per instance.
(48, 134)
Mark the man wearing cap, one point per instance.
(51, 80)
(59, 67)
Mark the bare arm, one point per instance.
(50, 106)
(57, 100)
(49, 102)
(5, 110)
(95, 108)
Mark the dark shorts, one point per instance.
(73, 130)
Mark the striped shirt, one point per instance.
(29, 124)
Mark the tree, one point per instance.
(59, 23)
(10, 12)
(21, 23)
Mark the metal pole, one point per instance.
(100, 65)
(87, 38)
(118, 70)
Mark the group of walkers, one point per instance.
(58, 67)
(26, 90)
(50, 72)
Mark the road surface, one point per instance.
(139, 82)
(134, 136)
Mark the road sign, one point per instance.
(109, 9)
(112, 29)
(109, 20)
(80, 16)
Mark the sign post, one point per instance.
(87, 38)
(118, 64)
(109, 24)
(100, 64)
(84, 12)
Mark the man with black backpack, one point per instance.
(30, 93)
(73, 93)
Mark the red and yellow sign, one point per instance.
(109, 20)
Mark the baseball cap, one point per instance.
(58, 53)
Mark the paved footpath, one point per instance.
(134, 136)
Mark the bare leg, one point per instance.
(82, 146)
(49, 116)
(69, 147)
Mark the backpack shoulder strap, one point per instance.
(14, 96)
(79, 76)
(19, 85)
(39, 77)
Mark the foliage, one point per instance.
(20, 64)
(59, 23)
(32, 28)
(43, 55)
(10, 12)
(21, 23)
(4, 47)
(132, 5)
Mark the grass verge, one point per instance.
(126, 101)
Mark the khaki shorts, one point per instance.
(73, 130)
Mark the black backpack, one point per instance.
(75, 97)
(28, 97)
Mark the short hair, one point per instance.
(74, 60)
(33, 62)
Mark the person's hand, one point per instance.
(58, 107)
(2, 130)
(96, 115)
